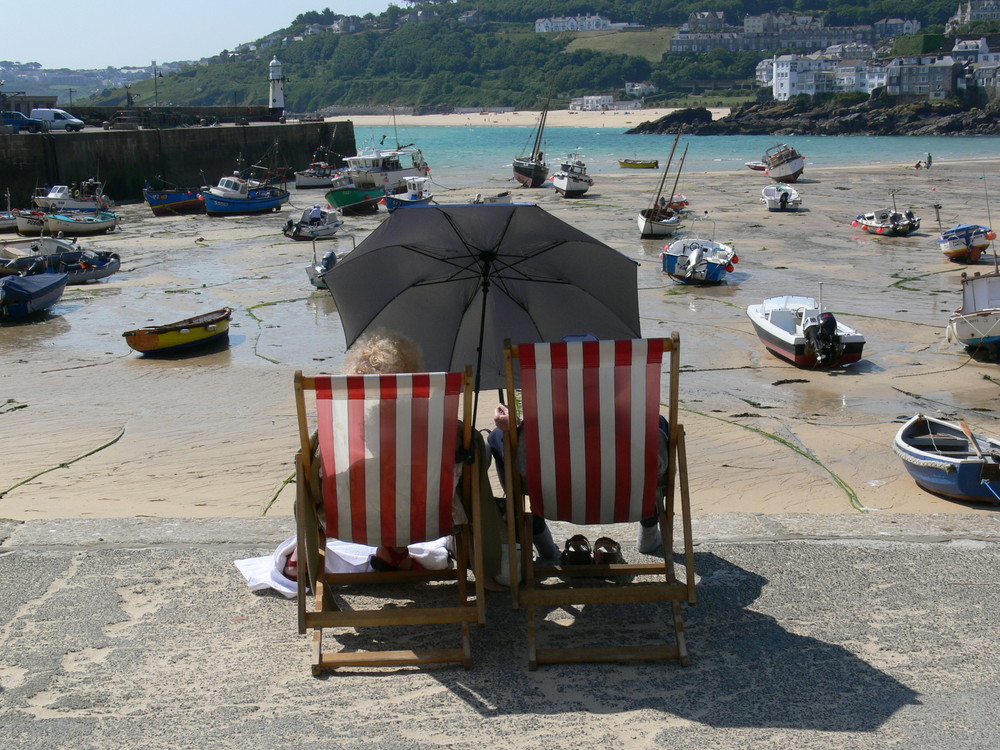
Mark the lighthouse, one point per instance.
(276, 88)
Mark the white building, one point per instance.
(572, 23)
(839, 69)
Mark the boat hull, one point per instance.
(355, 200)
(174, 202)
(392, 202)
(191, 333)
(263, 201)
(939, 458)
(530, 173)
(639, 163)
(570, 187)
(30, 222)
(789, 342)
(697, 261)
(22, 296)
(654, 223)
(965, 243)
(780, 198)
(80, 224)
(80, 266)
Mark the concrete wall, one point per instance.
(127, 159)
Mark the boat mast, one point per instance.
(677, 177)
(541, 124)
(666, 169)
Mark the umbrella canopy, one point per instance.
(460, 279)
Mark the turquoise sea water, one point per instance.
(472, 152)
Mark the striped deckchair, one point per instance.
(384, 468)
(589, 450)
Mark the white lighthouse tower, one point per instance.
(276, 88)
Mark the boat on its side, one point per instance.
(174, 201)
(784, 163)
(965, 243)
(190, 333)
(639, 163)
(80, 266)
(797, 329)
(949, 459)
(81, 222)
(352, 200)
(698, 261)
(89, 196)
(321, 227)
(888, 222)
(236, 194)
(780, 197)
(976, 324)
(417, 193)
(571, 180)
(530, 170)
(21, 296)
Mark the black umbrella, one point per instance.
(460, 279)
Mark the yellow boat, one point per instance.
(639, 163)
(201, 330)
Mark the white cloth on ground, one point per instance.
(267, 572)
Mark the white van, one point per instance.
(58, 119)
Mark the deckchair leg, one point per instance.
(686, 516)
(682, 651)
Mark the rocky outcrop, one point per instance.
(874, 117)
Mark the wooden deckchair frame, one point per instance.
(668, 589)
(316, 585)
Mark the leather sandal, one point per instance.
(607, 552)
(577, 551)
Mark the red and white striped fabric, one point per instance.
(387, 446)
(591, 436)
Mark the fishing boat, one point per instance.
(385, 169)
(80, 266)
(799, 330)
(949, 459)
(658, 219)
(25, 247)
(352, 200)
(417, 193)
(784, 163)
(174, 201)
(81, 222)
(976, 324)
(966, 242)
(888, 222)
(201, 330)
(318, 174)
(698, 261)
(530, 170)
(639, 163)
(571, 180)
(236, 194)
(89, 196)
(21, 296)
(30, 221)
(316, 223)
(780, 197)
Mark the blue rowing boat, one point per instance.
(238, 195)
(21, 296)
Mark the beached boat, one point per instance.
(385, 169)
(780, 197)
(317, 174)
(8, 219)
(492, 200)
(639, 163)
(308, 227)
(678, 202)
(756, 166)
(966, 242)
(799, 330)
(417, 193)
(30, 221)
(658, 219)
(784, 163)
(81, 266)
(201, 330)
(24, 247)
(949, 459)
(316, 271)
(976, 324)
(571, 180)
(698, 261)
(351, 199)
(236, 194)
(81, 222)
(174, 201)
(888, 222)
(530, 170)
(89, 196)
(21, 296)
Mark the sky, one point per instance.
(133, 34)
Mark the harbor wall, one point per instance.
(126, 160)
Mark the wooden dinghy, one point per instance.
(201, 330)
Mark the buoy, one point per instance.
(730, 268)
(864, 227)
(880, 230)
(991, 235)
(736, 259)
(854, 223)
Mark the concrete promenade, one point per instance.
(811, 631)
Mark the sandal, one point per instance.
(395, 562)
(577, 551)
(607, 552)
(291, 570)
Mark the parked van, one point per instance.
(58, 119)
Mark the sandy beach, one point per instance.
(95, 431)
(556, 118)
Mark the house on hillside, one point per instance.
(974, 10)
(644, 88)
(572, 23)
(923, 77)
(889, 27)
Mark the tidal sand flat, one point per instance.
(94, 430)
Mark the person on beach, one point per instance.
(927, 161)
(315, 216)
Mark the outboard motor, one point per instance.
(329, 260)
(783, 200)
(821, 334)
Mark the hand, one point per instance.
(501, 417)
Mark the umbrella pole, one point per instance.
(482, 333)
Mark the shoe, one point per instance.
(577, 551)
(397, 561)
(607, 552)
(291, 570)
(544, 544)
(649, 539)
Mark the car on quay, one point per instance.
(20, 121)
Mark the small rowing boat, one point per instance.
(201, 330)
(639, 163)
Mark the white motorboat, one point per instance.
(571, 180)
(976, 324)
(315, 223)
(491, 200)
(698, 261)
(417, 193)
(318, 174)
(89, 196)
(780, 197)
(799, 330)
(784, 163)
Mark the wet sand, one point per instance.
(93, 430)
